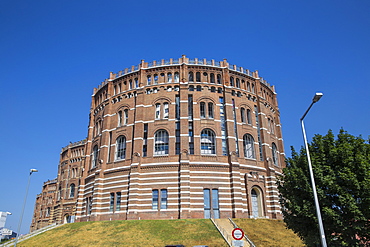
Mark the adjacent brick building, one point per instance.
(169, 139)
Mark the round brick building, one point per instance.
(178, 138)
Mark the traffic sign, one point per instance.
(237, 234)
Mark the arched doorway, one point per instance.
(256, 203)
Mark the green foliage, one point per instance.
(342, 174)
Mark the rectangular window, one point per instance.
(145, 143)
(155, 199)
(207, 203)
(190, 106)
(223, 126)
(163, 199)
(177, 143)
(118, 201)
(111, 202)
(177, 100)
(191, 138)
(126, 116)
(210, 110)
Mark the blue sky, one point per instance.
(54, 52)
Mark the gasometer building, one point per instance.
(171, 139)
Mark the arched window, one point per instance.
(169, 77)
(202, 106)
(161, 142)
(165, 110)
(219, 81)
(237, 83)
(248, 87)
(249, 118)
(177, 77)
(242, 114)
(120, 120)
(157, 111)
(72, 191)
(125, 116)
(136, 83)
(149, 80)
(248, 142)
(210, 110)
(207, 142)
(191, 76)
(130, 84)
(155, 79)
(232, 81)
(212, 78)
(275, 155)
(197, 77)
(120, 148)
(94, 160)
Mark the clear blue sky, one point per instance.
(54, 52)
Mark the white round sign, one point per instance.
(238, 234)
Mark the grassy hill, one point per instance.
(188, 232)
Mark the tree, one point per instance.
(342, 174)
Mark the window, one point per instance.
(207, 142)
(155, 79)
(165, 108)
(202, 109)
(72, 191)
(169, 77)
(242, 114)
(149, 80)
(177, 77)
(237, 83)
(210, 109)
(111, 202)
(125, 116)
(89, 202)
(165, 113)
(256, 203)
(157, 111)
(191, 76)
(249, 119)
(145, 143)
(219, 81)
(155, 199)
(118, 201)
(120, 148)
(136, 83)
(197, 75)
(94, 160)
(130, 84)
(212, 78)
(199, 88)
(232, 81)
(275, 155)
(163, 199)
(161, 142)
(211, 205)
(248, 142)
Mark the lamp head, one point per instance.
(317, 97)
(33, 170)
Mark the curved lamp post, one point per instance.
(24, 205)
(316, 98)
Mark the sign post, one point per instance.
(238, 235)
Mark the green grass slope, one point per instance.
(269, 233)
(188, 232)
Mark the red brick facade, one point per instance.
(176, 138)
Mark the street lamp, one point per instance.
(316, 98)
(24, 205)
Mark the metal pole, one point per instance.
(317, 205)
(24, 205)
